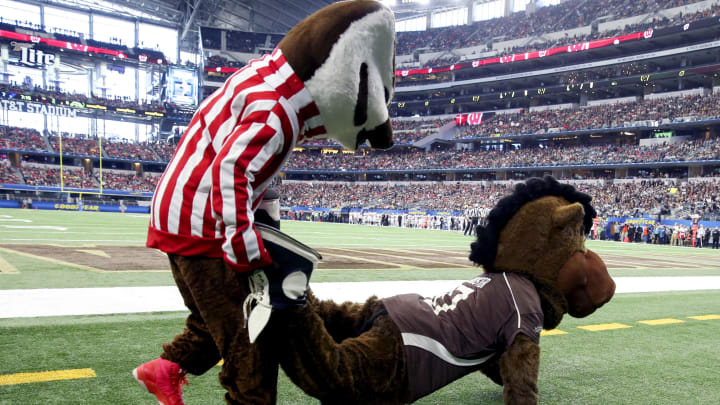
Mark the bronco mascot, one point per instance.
(332, 76)
(401, 348)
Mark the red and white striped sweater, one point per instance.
(235, 144)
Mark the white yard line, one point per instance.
(119, 300)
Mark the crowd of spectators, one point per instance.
(80, 144)
(164, 150)
(128, 181)
(63, 95)
(50, 176)
(76, 144)
(21, 138)
(676, 109)
(650, 196)
(130, 150)
(8, 174)
(409, 131)
(567, 15)
(621, 199)
(526, 157)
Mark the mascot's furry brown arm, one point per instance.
(401, 348)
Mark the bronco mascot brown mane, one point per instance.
(331, 76)
(401, 348)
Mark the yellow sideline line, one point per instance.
(664, 321)
(604, 326)
(552, 332)
(42, 376)
(51, 260)
(704, 317)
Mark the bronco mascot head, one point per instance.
(345, 55)
(539, 231)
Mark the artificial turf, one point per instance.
(664, 364)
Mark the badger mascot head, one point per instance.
(345, 55)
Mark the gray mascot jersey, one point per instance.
(449, 336)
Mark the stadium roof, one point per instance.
(271, 16)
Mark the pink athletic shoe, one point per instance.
(164, 379)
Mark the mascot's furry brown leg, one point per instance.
(350, 365)
(537, 269)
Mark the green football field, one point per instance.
(641, 348)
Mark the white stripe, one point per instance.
(169, 171)
(242, 76)
(227, 186)
(183, 177)
(437, 348)
(275, 80)
(236, 107)
(513, 298)
(252, 245)
(293, 118)
(197, 217)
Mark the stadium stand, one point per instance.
(130, 150)
(128, 181)
(561, 17)
(671, 110)
(47, 175)
(559, 155)
(76, 144)
(627, 198)
(22, 139)
(605, 140)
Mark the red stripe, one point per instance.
(190, 188)
(182, 160)
(209, 222)
(273, 165)
(259, 141)
(172, 182)
(226, 111)
(217, 200)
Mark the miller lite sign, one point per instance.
(33, 57)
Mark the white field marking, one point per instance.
(84, 233)
(7, 268)
(15, 220)
(6, 216)
(74, 240)
(47, 227)
(118, 300)
(143, 216)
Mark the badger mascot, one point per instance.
(331, 76)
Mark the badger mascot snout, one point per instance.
(331, 76)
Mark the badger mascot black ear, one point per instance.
(345, 56)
